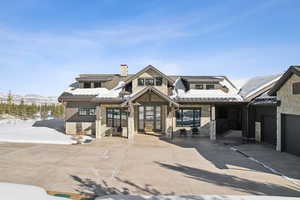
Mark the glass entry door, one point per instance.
(149, 118)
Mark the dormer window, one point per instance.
(158, 81)
(199, 86)
(149, 81)
(141, 82)
(87, 85)
(210, 86)
(97, 84)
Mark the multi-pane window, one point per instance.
(87, 85)
(87, 111)
(115, 117)
(199, 86)
(158, 81)
(141, 82)
(97, 84)
(188, 117)
(210, 86)
(149, 81)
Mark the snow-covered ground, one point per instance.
(42, 131)
(194, 197)
(12, 191)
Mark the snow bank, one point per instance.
(26, 132)
(12, 191)
(44, 131)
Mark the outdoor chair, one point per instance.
(117, 131)
(195, 131)
(183, 132)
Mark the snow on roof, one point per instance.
(215, 94)
(257, 83)
(179, 91)
(262, 86)
(98, 92)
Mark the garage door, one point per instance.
(269, 129)
(291, 134)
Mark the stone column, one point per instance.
(212, 130)
(131, 121)
(278, 144)
(98, 122)
(169, 121)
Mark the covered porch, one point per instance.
(148, 111)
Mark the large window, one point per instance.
(188, 117)
(87, 111)
(115, 117)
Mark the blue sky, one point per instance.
(45, 44)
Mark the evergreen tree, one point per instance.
(10, 99)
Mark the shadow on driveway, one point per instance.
(220, 155)
(90, 187)
(237, 183)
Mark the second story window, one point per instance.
(149, 81)
(87, 85)
(199, 87)
(97, 84)
(141, 82)
(210, 86)
(158, 81)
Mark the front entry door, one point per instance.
(150, 118)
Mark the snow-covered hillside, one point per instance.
(29, 99)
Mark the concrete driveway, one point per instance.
(148, 165)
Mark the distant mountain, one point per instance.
(29, 99)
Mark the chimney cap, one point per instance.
(123, 64)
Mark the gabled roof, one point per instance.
(150, 89)
(149, 67)
(257, 86)
(284, 78)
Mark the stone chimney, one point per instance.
(124, 70)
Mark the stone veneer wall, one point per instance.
(73, 128)
(290, 104)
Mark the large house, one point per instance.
(152, 102)
(148, 101)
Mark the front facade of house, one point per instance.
(146, 102)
